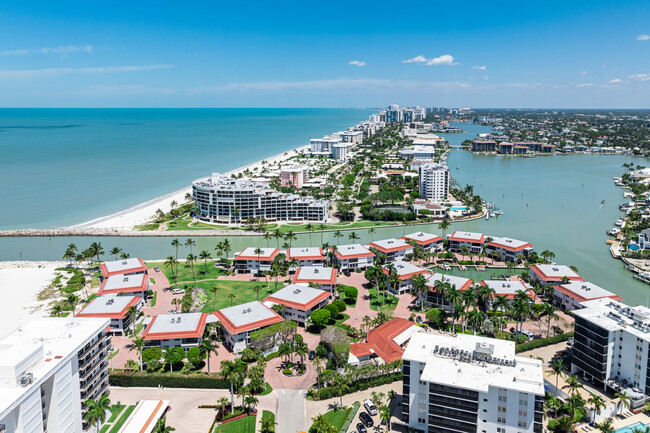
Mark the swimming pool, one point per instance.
(633, 247)
(458, 208)
(630, 428)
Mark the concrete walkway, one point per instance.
(290, 415)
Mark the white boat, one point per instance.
(492, 214)
(614, 231)
(619, 222)
(487, 216)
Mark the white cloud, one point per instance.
(416, 59)
(585, 84)
(63, 51)
(19, 74)
(643, 38)
(640, 77)
(480, 68)
(445, 59)
(616, 81)
(357, 63)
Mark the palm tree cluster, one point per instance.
(90, 255)
(247, 383)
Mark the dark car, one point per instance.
(365, 419)
(312, 355)
(361, 428)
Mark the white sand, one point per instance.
(144, 212)
(20, 283)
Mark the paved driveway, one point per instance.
(291, 411)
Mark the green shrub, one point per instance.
(353, 412)
(151, 354)
(195, 356)
(170, 380)
(351, 294)
(340, 305)
(287, 371)
(542, 342)
(362, 385)
(333, 310)
(273, 355)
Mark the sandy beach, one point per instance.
(142, 213)
(20, 283)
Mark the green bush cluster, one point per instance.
(362, 385)
(542, 342)
(350, 418)
(169, 380)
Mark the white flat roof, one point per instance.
(422, 236)
(122, 265)
(502, 369)
(558, 271)
(509, 242)
(468, 235)
(143, 419)
(298, 253)
(405, 268)
(508, 287)
(351, 249)
(587, 290)
(452, 279)
(314, 273)
(117, 282)
(250, 252)
(183, 322)
(108, 304)
(244, 314)
(616, 316)
(391, 243)
(298, 293)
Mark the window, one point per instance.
(501, 420)
(523, 413)
(522, 424)
(501, 409)
(501, 430)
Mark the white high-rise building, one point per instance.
(468, 384)
(48, 368)
(434, 181)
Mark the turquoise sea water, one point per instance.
(553, 202)
(61, 167)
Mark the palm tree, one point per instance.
(606, 426)
(162, 427)
(557, 367)
(171, 263)
(222, 403)
(96, 249)
(232, 297)
(500, 304)
(289, 236)
(232, 372)
(207, 347)
(251, 401)
(624, 401)
(453, 296)
(309, 228)
(277, 234)
(339, 383)
(444, 225)
(190, 243)
(138, 344)
(371, 232)
(257, 289)
(420, 288)
(227, 248)
(573, 384)
(268, 236)
(301, 349)
(353, 237)
(191, 258)
(338, 235)
(97, 410)
(384, 415)
(115, 251)
(258, 252)
(484, 294)
(176, 243)
(598, 403)
(205, 255)
(549, 311)
(268, 425)
(474, 319)
(72, 300)
(132, 311)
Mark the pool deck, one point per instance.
(619, 422)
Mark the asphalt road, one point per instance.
(291, 411)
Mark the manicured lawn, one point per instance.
(185, 272)
(348, 302)
(123, 418)
(244, 425)
(390, 301)
(267, 390)
(337, 417)
(268, 414)
(342, 318)
(115, 411)
(243, 291)
(184, 224)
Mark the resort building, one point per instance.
(393, 249)
(132, 266)
(505, 148)
(340, 151)
(470, 384)
(294, 176)
(435, 298)
(49, 367)
(306, 256)
(427, 241)
(114, 308)
(571, 296)
(418, 153)
(175, 330)
(507, 249)
(508, 288)
(299, 301)
(352, 257)
(473, 241)
(553, 274)
(405, 272)
(134, 284)
(239, 321)
(384, 344)
(430, 208)
(434, 181)
(324, 277)
(226, 200)
(249, 262)
(352, 137)
(484, 146)
(611, 346)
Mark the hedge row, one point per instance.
(169, 380)
(361, 385)
(542, 342)
(350, 418)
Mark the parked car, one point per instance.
(361, 428)
(312, 355)
(156, 268)
(365, 419)
(370, 407)
(172, 312)
(178, 292)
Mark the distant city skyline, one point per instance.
(143, 54)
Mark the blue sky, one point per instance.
(562, 54)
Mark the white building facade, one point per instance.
(434, 181)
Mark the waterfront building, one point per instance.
(226, 200)
(248, 262)
(393, 249)
(131, 266)
(430, 207)
(553, 274)
(418, 153)
(571, 296)
(471, 384)
(352, 257)
(49, 367)
(384, 344)
(508, 249)
(519, 150)
(134, 284)
(405, 272)
(324, 277)
(238, 322)
(299, 301)
(644, 239)
(435, 298)
(427, 241)
(352, 137)
(175, 330)
(330, 147)
(295, 176)
(611, 346)
(484, 146)
(473, 241)
(114, 308)
(508, 288)
(340, 151)
(505, 148)
(428, 140)
(306, 256)
(434, 181)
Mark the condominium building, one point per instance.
(299, 301)
(306, 256)
(114, 308)
(427, 241)
(434, 181)
(571, 296)
(48, 368)
(134, 284)
(418, 153)
(175, 330)
(294, 176)
(405, 272)
(508, 288)
(132, 266)
(352, 257)
(553, 274)
(470, 384)
(473, 241)
(225, 200)
(507, 249)
(384, 344)
(255, 260)
(352, 137)
(323, 276)
(393, 249)
(436, 297)
(611, 346)
(240, 321)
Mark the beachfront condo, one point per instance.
(471, 384)
(295, 176)
(225, 200)
(48, 368)
(434, 181)
(175, 330)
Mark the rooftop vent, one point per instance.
(124, 262)
(125, 279)
(316, 271)
(555, 269)
(296, 291)
(26, 379)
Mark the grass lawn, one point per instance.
(244, 425)
(349, 302)
(243, 291)
(342, 318)
(268, 414)
(337, 417)
(375, 301)
(267, 390)
(184, 224)
(115, 411)
(185, 272)
(122, 420)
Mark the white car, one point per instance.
(370, 407)
(178, 291)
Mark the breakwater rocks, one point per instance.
(89, 231)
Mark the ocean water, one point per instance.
(60, 167)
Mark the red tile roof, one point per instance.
(380, 340)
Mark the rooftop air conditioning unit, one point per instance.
(26, 379)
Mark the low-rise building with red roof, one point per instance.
(427, 241)
(135, 285)
(175, 330)
(507, 249)
(299, 301)
(352, 257)
(323, 276)
(132, 266)
(393, 249)
(306, 256)
(571, 296)
(405, 272)
(553, 274)
(508, 288)
(238, 322)
(384, 344)
(115, 308)
(473, 241)
(249, 262)
(435, 297)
